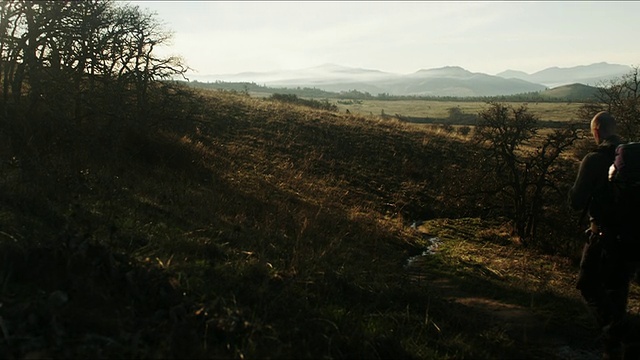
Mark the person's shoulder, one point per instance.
(597, 155)
(592, 155)
(610, 144)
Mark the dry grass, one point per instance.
(440, 109)
(245, 228)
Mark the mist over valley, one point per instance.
(444, 81)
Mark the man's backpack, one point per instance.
(624, 178)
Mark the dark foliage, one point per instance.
(526, 165)
(314, 104)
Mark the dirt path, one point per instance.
(532, 333)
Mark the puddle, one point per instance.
(432, 249)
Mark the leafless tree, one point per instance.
(621, 97)
(61, 53)
(522, 161)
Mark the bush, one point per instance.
(464, 130)
(315, 104)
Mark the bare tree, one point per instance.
(64, 64)
(523, 162)
(64, 57)
(621, 97)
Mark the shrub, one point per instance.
(315, 104)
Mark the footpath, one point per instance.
(532, 331)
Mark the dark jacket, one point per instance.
(590, 187)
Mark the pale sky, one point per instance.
(402, 37)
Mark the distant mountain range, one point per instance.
(592, 75)
(445, 81)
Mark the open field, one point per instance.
(436, 109)
(440, 109)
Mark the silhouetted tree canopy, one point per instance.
(64, 57)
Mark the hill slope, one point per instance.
(572, 92)
(239, 227)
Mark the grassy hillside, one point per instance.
(573, 92)
(236, 227)
(548, 111)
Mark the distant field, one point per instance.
(550, 111)
(440, 109)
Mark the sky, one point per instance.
(401, 37)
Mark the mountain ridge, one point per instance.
(442, 81)
(593, 74)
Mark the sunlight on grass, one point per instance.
(275, 230)
(440, 109)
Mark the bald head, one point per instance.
(603, 125)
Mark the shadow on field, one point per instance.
(524, 324)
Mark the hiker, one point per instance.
(606, 269)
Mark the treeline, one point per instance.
(523, 98)
(315, 104)
(247, 87)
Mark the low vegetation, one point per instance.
(294, 99)
(149, 220)
(243, 227)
